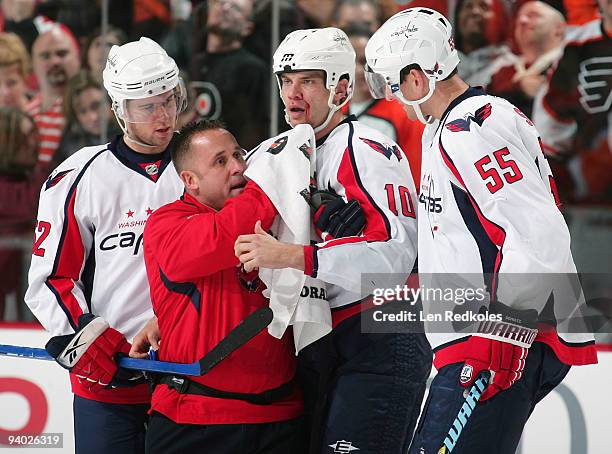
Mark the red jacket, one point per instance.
(199, 295)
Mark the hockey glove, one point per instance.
(90, 354)
(335, 218)
(500, 347)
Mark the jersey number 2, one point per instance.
(44, 228)
(512, 175)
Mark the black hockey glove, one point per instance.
(335, 218)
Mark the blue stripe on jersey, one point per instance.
(488, 249)
(184, 288)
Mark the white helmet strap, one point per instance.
(416, 104)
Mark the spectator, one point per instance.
(151, 19)
(19, 187)
(178, 40)
(578, 93)
(18, 16)
(538, 33)
(360, 13)
(384, 115)
(237, 82)
(479, 39)
(14, 70)
(55, 57)
(96, 50)
(84, 107)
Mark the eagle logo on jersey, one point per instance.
(463, 124)
(384, 149)
(54, 179)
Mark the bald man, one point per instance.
(538, 32)
(55, 58)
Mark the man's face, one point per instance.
(214, 171)
(152, 120)
(473, 17)
(12, 86)
(229, 18)
(534, 24)
(305, 97)
(363, 14)
(54, 58)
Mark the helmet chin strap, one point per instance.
(416, 104)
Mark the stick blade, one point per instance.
(240, 335)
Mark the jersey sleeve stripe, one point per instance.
(496, 234)
(70, 256)
(67, 267)
(377, 226)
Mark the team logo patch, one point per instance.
(595, 79)
(54, 179)
(463, 124)
(207, 100)
(278, 145)
(306, 150)
(384, 149)
(466, 374)
(151, 169)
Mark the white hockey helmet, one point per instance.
(138, 70)
(415, 36)
(325, 49)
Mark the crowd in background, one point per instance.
(546, 57)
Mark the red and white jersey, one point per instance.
(50, 126)
(359, 163)
(88, 254)
(487, 207)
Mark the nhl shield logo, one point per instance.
(151, 169)
(466, 374)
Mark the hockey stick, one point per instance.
(471, 396)
(240, 335)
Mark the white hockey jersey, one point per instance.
(488, 215)
(359, 163)
(88, 253)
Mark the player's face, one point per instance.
(305, 97)
(152, 120)
(215, 170)
(12, 86)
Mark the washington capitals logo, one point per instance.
(56, 178)
(463, 124)
(386, 150)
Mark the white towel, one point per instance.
(284, 167)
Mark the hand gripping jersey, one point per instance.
(88, 254)
(200, 294)
(359, 163)
(487, 213)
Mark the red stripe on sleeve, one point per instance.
(68, 264)
(376, 225)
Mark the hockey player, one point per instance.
(373, 383)
(249, 403)
(486, 207)
(87, 280)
